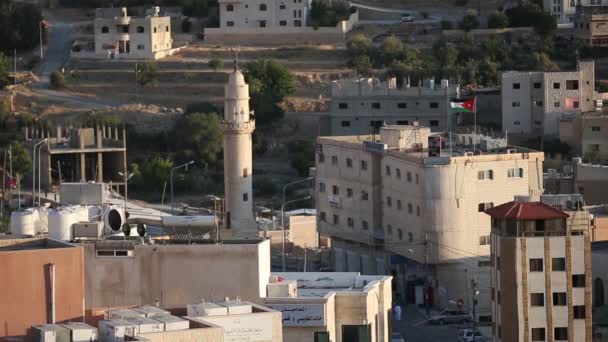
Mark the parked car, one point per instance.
(397, 337)
(451, 317)
(407, 17)
(470, 335)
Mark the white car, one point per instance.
(407, 17)
(470, 335)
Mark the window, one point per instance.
(297, 23)
(434, 123)
(376, 105)
(578, 280)
(403, 122)
(229, 8)
(417, 210)
(389, 201)
(345, 123)
(538, 334)
(140, 29)
(336, 219)
(408, 177)
(539, 103)
(154, 30)
(537, 85)
(516, 123)
(321, 158)
(363, 165)
(485, 206)
(263, 7)
(498, 297)
(410, 237)
(433, 105)
(282, 6)
(485, 263)
(417, 180)
(335, 190)
(140, 47)
(572, 84)
(556, 85)
(230, 23)
(334, 160)
(321, 336)
(537, 299)
(484, 240)
(321, 187)
(323, 216)
(343, 105)
(364, 196)
(485, 174)
(595, 128)
(515, 173)
(349, 192)
(387, 170)
(400, 234)
(349, 162)
(399, 206)
(245, 197)
(105, 29)
(560, 334)
(515, 104)
(245, 173)
(558, 264)
(262, 23)
(402, 105)
(516, 86)
(498, 263)
(398, 173)
(536, 265)
(350, 222)
(283, 23)
(389, 230)
(579, 311)
(559, 298)
(359, 333)
(556, 104)
(410, 208)
(364, 225)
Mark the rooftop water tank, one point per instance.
(23, 222)
(60, 224)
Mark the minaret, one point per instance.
(238, 126)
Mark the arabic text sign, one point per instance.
(244, 329)
(301, 315)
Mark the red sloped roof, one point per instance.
(525, 211)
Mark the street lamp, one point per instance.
(34, 171)
(283, 225)
(42, 22)
(40, 172)
(171, 178)
(126, 180)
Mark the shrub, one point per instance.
(446, 25)
(460, 3)
(498, 20)
(469, 22)
(57, 80)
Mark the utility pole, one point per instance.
(15, 74)
(475, 293)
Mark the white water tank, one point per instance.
(60, 224)
(42, 224)
(23, 222)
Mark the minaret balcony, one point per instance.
(244, 126)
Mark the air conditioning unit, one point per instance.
(511, 151)
(88, 230)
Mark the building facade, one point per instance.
(565, 10)
(534, 102)
(120, 36)
(591, 181)
(390, 208)
(541, 278)
(359, 105)
(264, 13)
(591, 25)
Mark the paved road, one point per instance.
(423, 333)
(58, 47)
(381, 9)
(41, 90)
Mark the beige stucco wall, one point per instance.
(177, 275)
(303, 231)
(209, 334)
(594, 143)
(275, 329)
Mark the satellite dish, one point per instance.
(126, 229)
(141, 229)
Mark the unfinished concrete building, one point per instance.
(78, 154)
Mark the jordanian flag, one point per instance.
(467, 106)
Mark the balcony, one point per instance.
(335, 201)
(238, 126)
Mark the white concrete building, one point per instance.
(389, 207)
(534, 102)
(238, 127)
(541, 278)
(263, 13)
(120, 36)
(565, 10)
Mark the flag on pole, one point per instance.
(467, 106)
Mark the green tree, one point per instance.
(498, 20)
(390, 50)
(445, 58)
(446, 25)
(471, 72)
(469, 22)
(198, 136)
(216, 64)
(545, 25)
(154, 173)
(358, 44)
(269, 82)
(488, 72)
(4, 65)
(301, 156)
(147, 73)
(57, 80)
(362, 64)
(18, 25)
(22, 161)
(323, 14)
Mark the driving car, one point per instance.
(451, 317)
(407, 17)
(470, 335)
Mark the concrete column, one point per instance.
(27, 133)
(103, 132)
(99, 167)
(115, 133)
(58, 132)
(99, 136)
(83, 173)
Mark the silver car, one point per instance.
(470, 335)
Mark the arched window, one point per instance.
(389, 230)
(400, 234)
(105, 29)
(263, 7)
(140, 29)
(229, 8)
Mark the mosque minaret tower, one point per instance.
(238, 127)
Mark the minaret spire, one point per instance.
(236, 51)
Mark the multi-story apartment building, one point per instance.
(587, 134)
(263, 13)
(591, 25)
(541, 274)
(390, 207)
(534, 102)
(357, 105)
(564, 10)
(118, 35)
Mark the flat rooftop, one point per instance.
(321, 284)
(9, 244)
